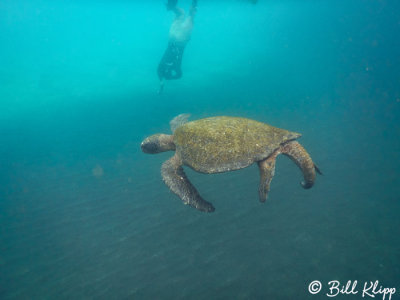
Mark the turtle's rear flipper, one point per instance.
(175, 178)
(303, 160)
(267, 172)
(179, 120)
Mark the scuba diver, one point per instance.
(179, 34)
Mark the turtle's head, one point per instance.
(158, 143)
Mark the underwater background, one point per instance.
(85, 214)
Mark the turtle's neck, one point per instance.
(167, 142)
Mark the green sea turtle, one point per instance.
(222, 144)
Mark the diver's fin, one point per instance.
(178, 121)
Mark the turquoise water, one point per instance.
(85, 214)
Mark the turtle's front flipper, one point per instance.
(267, 172)
(179, 120)
(175, 178)
(300, 156)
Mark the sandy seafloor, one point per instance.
(84, 214)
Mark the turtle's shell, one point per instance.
(220, 144)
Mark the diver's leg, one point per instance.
(175, 178)
(176, 73)
(267, 172)
(166, 63)
(177, 62)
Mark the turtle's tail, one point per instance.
(318, 170)
(303, 160)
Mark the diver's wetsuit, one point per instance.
(170, 64)
(169, 67)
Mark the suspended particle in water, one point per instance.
(97, 171)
